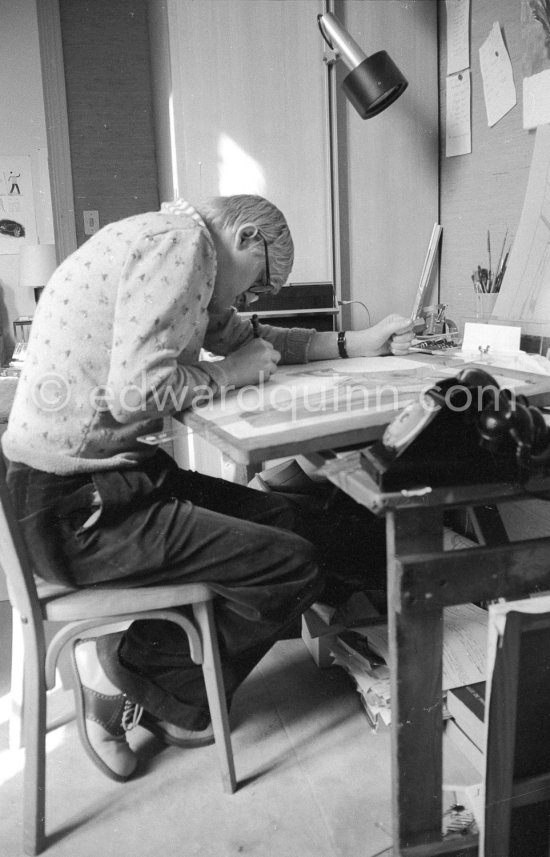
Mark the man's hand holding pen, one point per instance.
(252, 363)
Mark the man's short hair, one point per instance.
(233, 211)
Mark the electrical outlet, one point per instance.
(91, 222)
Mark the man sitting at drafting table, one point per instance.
(115, 347)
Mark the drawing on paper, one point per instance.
(17, 216)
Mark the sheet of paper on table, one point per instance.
(326, 391)
(331, 393)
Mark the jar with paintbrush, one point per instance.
(487, 281)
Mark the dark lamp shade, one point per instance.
(374, 85)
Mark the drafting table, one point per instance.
(328, 404)
(422, 578)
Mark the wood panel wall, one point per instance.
(483, 190)
(110, 111)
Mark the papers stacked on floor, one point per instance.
(369, 672)
(363, 650)
(364, 654)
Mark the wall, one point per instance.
(23, 132)
(260, 83)
(110, 109)
(483, 190)
(391, 161)
(161, 74)
(249, 112)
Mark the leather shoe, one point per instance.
(177, 736)
(103, 721)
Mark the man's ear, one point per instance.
(245, 236)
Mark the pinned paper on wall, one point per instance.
(458, 36)
(458, 129)
(535, 37)
(497, 75)
(17, 215)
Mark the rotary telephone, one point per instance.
(464, 430)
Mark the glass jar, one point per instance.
(434, 318)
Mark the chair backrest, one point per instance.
(15, 559)
(517, 780)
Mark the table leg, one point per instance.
(415, 644)
(488, 525)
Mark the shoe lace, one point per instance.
(131, 715)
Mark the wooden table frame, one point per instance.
(422, 580)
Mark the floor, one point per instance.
(314, 780)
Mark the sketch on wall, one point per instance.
(17, 216)
(535, 36)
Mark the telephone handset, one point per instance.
(464, 430)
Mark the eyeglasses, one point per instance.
(267, 285)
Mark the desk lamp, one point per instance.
(37, 262)
(373, 82)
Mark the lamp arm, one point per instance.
(338, 39)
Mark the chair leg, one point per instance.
(213, 679)
(17, 683)
(17, 689)
(34, 800)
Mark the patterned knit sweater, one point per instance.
(115, 344)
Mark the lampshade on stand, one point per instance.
(37, 262)
(373, 82)
(374, 85)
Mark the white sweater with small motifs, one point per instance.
(115, 344)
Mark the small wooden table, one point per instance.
(422, 580)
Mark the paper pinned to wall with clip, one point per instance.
(498, 79)
(458, 125)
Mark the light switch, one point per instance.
(91, 222)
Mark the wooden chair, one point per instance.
(103, 609)
(517, 780)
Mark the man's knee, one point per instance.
(305, 568)
(281, 512)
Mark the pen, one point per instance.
(255, 326)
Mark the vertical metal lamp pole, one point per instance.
(334, 192)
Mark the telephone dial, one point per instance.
(464, 430)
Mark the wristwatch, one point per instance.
(342, 344)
